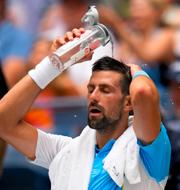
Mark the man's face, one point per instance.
(105, 100)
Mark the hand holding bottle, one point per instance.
(69, 36)
(74, 47)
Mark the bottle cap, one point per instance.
(91, 17)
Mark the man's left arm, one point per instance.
(145, 103)
(150, 132)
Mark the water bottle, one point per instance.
(95, 35)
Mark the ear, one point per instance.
(127, 104)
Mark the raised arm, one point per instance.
(19, 99)
(13, 107)
(151, 49)
(145, 102)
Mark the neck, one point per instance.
(103, 137)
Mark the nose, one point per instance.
(94, 96)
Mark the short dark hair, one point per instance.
(110, 64)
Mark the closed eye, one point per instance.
(90, 89)
(105, 90)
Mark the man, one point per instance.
(107, 154)
(15, 45)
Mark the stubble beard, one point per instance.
(105, 124)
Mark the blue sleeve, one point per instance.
(21, 45)
(14, 41)
(156, 156)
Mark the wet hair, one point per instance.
(110, 64)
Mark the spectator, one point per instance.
(3, 91)
(173, 76)
(27, 14)
(142, 40)
(14, 47)
(173, 125)
(59, 16)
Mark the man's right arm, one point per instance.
(16, 103)
(13, 107)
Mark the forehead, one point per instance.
(105, 77)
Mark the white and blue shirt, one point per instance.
(155, 157)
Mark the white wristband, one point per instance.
(44, 73)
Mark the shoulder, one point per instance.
(52, 140)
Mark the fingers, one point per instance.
(77, 32)
(69, 36)
(88, 53)
(57, 43)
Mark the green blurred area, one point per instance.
(120, 6)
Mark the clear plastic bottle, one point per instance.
(96, 35)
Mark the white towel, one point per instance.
(71, 169)
(123, 159)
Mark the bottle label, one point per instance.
(95, 44)
(81, 54)
(54, 59)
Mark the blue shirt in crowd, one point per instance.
(14, 41)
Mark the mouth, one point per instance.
(94, 111)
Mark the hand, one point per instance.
(70, 36)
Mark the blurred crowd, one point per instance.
(144, 32)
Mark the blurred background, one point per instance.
(144, 32)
